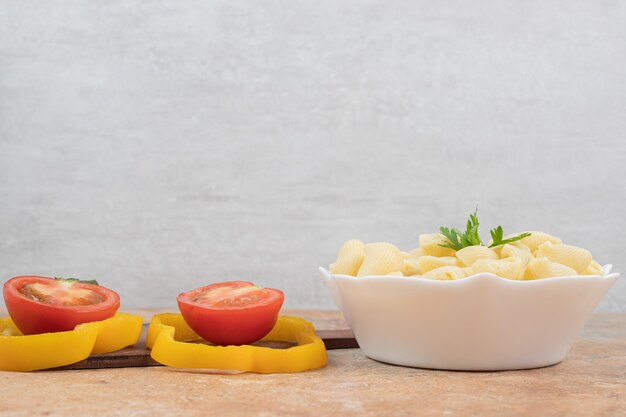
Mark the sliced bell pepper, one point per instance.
(50, 350)
(169, 337)
(117, 332)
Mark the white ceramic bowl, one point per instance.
(478, 323)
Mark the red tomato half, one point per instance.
(43, 305)
(231, 313)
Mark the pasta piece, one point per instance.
(445, 273)
(517, 244)
(535, 239)
(468, 271)
(594, 268)
(380, 259)
(395, 274)
(470, 254)
(510, 268)
(417, 252)
(349, 259)
(543, 268)
(520, 252)
(572, 256)
(411, 267)
(430, 245)
(428, 263)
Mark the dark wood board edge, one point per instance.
(139, 356)
(338, 339)
(131, 357)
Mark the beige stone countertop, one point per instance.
(590, 382)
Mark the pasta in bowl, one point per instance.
(518, 305)
(536, 256)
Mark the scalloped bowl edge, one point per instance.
(482, 322)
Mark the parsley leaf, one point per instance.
(458, 240)
(453, 238)
(498, 233)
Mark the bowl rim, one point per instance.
(606, 269)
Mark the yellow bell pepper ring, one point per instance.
(46, 350)
(117, 332)
(169, 337)
(50, 350)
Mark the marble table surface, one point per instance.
(590, 382)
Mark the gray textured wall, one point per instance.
(160, 145)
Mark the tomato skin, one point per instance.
(233, 325)
(34, 317)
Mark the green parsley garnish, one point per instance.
(458, 240)
(497, 233)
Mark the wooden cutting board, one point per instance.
(139, 355)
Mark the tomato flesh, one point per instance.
(42, 305)
(231, 313)
(231, 297)
(64, 294)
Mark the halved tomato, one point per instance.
(231, 313)
(43, 305)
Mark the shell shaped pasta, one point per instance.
(411, 267)
(516, 244)
(535, 239)
(445, 273)
(543, 268)
(349, 259)
(428, 263)
(520, 252)
(417, 252)
(470, 254)
(594, 268)
(429, 243)
(395, 274)
(380, 259)
(510, 268)
(572, 256)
